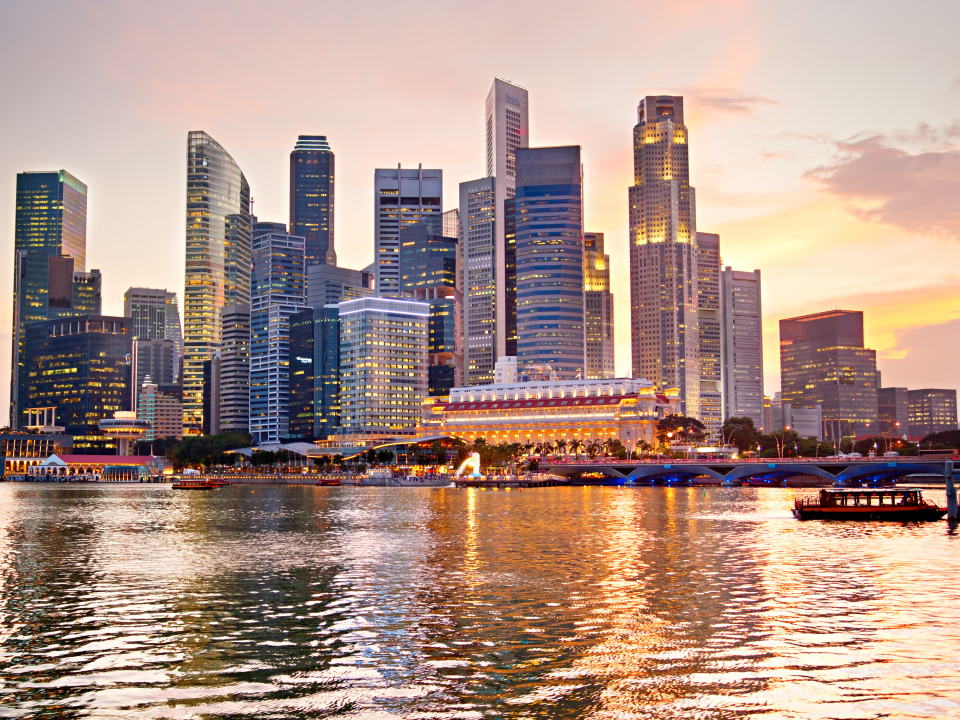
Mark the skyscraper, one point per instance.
(50, 247)
(931, 410)
(315, 372)
(742, 335)
(156, 330)
(327, 284)
(478, 217)
(401, 198)
(217, 258)
(277, 289)
(550, 260)
(311, 198)
(507, 130)
(709, 331)
(235, 368)
(663, 283)
(823, 362)
(598, 303)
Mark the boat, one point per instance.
(219, 482)
(426, 480)
(900, 504)
(327, 481)
(194, 485)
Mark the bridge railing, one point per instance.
(738, 461)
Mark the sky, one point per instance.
(824, 136)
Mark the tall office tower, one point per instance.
(90, 350)
(328, 284)
(315, 373)
(401, 198)
(507, 130)
(742, 342)
(235, 368)
(383, 365)
(823, 362)
(156, 325)
(217, 259)
(428, 274)
(550, 260)
(893, 410)
(155, 357)
(598, 303)
(164, 412)
(311, 198)
(708, 328)
(211, 395)
(50, 222)
(510, 274)
(663, 256)
(479, 282)
(931, 411)
(277, 289)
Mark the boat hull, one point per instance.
(893, 514)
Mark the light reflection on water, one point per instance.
(136, 602)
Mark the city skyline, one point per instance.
(802, 231)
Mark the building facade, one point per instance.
(530, 413)
(218, 241)
(823, 362)
(401, 198)
(315, 373)
(235, 368)
(20, 450)
(478, 253)
(742, 334)
(507, 129)
(328, 284)
(156, 314)
(383, 364)
(807, 422)
(932, 411)
(893, 411)
(598, 309)
(550, 260)
(665, 338)
(709, 332)
(278, 293)
(154, 357)
(164, 412)
(311, 198)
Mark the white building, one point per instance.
(505, 371)
(383, 364)
(742, 335)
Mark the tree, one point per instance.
(561, 446)
(740, 431)
(680, 429)
(384, 456)
(576, 446)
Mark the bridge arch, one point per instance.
(880, 472)
(671, 473)
(775, 471)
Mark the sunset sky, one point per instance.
(824, 136)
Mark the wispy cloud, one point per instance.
(727, 100)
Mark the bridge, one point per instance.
(853, 471)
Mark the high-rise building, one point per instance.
(50, 246)
(154, 357)
(893, 410)
(311, 198)
(478, 253)
(663, 281)
(550, 260)
(328, 285)
(428, 274)
(235, 368)
(164, 412)
(932, 411)
(507, 130)
(401, 198)
(598, 303)
(383, 364)
(79, 366)
(742, 336)
(155, 314)
(708, 327)
(278, 293)
(315, 373)
(212, 378)
(823, 362)
(217, 258)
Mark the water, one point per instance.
(139, 602)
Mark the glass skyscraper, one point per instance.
(217, 259)
(550, 260)
(311, 198)
(278, 293)
(315, 373)
(598, 301)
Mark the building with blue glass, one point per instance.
(314, 373)
(550, 260)
(277, 289)
(311, 198)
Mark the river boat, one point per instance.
(900, 504)
(219, 482)
(328, 481)
(183, 484)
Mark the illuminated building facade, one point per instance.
(163, 411)
(311, 198)
(742, 335)
(709, 331)
(315, 373)
(550, 260)
(235, 368)
(218, 246)
(383, 364)
(663, 281)
(401, 198)
(598, 304)
(327, 284)
(625, 409)
(931, 411)
(478, 253)
(823, 362)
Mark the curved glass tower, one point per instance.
(218, 259)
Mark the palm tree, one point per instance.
(576, 446)
(539, 450)
(529, 447)
(561, 446)
(593, 448)
(607, 446)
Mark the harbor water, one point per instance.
(136, 601)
